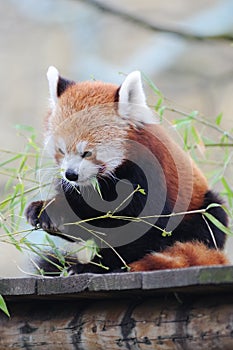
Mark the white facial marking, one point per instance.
(111, 156)
(108, 155)
(61, 145)
(81, 146)
(85, 168)
(72, 162)
(87, 171)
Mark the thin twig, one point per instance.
(147, 24)
(202, 121)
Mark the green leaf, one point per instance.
(227, 211)
(166, 233)
(213, 205)
(3, 306)
(91, 246)
(193, 114)
(23, 164)
(218, 119)
(25, 128)
(181, 122)
(4, 203)
(159, 103)
(229, 191)
(18, 190)
(161, 111)
(217, 223)
(12, 159)
(152, 85)
(227, 187)
(195, 134)
(185, 138)
(95, 184)
(58, 254)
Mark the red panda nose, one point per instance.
(71, 175)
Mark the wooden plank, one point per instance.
(195, 278)
(164, 322)
(190, 277)
(189, 309)
(18, 286)
(63, 285)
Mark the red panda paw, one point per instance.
(180, 255)
(38, 217)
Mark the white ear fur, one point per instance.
(53, 77)
(132, 100)
(131, 90)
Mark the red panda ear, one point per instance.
(132, 100)
(57, 84)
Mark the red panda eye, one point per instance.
(61, 151)
(86, 154)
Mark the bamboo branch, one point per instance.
(147, 24)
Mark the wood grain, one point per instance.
(189, 309)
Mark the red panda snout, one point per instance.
(80, 173)
(71, 175)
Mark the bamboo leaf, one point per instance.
(152, 85)
(213, 205)
(158, 104)
(12, 159)
(142, 191)
(23, 164)
(161, 111)
(229, 191)
(181, 122)
(95, 184)
(166, 233)
(227, 187)
(217, 223)
(3, 306)
(25, 128)
(218, 119)
(56, 251)
(193, 114)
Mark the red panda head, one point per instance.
(96, 130)
(89, 123)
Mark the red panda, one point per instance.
(124, 182)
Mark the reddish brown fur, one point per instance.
(180, 255)
(185, 187)
(180, 171)
(80, 96)
(86, 94)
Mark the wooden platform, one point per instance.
(189, 309)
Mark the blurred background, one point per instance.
(184, 47)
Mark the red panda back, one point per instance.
(185, 183)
